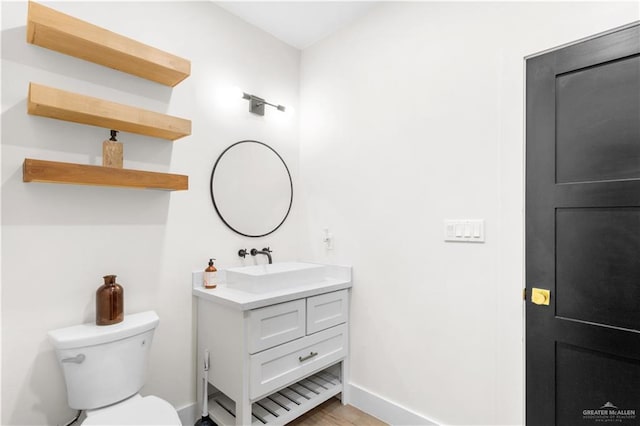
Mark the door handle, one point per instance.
(540, 296)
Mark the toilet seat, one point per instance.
(137, 410)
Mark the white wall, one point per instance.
(59, 240)
(412, 115)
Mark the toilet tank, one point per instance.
(104, 364)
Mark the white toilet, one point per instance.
(104, 368)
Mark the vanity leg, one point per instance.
(201, 376)
(344, 373)
(243, 412)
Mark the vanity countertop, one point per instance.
(335, 278)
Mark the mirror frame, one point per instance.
(213, 198)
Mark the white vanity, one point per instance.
(278, 336)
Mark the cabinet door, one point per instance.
(276, 324)
(326, 310)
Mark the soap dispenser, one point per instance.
(109, 302)
(112, 152)
(210, 276)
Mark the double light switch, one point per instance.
(466, 230)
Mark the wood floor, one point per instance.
(332, 413)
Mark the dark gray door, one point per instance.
(583, 233)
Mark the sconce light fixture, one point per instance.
(256, 104)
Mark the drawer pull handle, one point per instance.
(304, 358)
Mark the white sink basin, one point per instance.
(277, 276)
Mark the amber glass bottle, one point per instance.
(109, 302)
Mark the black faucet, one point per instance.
(265, 251)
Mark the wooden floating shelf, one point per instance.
(81, 174)
(282, 406)
(55, 103)
(65, 34)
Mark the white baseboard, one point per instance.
(385, 410)
(189, 414)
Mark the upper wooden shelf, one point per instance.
(54, 103)
(81, 174)
(65, 34)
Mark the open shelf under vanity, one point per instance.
(283, 405)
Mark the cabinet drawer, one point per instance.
(326, 310)
(277, 367)
(276, 324)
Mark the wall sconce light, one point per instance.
(256, 104)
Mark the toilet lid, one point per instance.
(149, 410)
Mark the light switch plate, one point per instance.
(464, 230)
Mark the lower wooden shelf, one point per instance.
(81, 174)
(282, 406)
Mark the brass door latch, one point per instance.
(540, 296)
